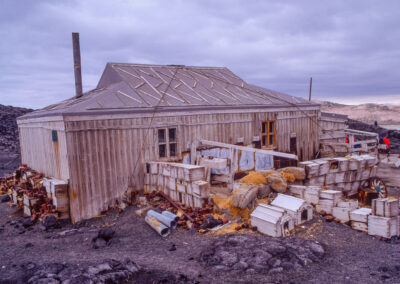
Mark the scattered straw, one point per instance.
(255, 178)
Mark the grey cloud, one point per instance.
(349, 47)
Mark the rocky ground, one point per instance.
(9, 143)
(129, 251)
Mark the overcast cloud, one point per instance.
(350, 48)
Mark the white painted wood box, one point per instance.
(360, 215)
(383, 226)
(297, 208)
(271, 220)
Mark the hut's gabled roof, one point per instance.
(145, 88)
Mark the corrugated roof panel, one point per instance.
(138, 86)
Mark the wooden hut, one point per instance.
(99, 142)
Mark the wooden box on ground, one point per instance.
(60, 196)
(342, 164)
(315, 181)
(311, 194)
(311, 168)
(333, 195)
(297, 190)
(385, 207)
(383, 226)
(353, 164)
(349, 204)
(271, 220)
(341, 213)
(324, 166)
(325, 205)
(359, 226)
(297, 208)
(360, 215)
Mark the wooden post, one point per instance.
(193, 152)
(231, 175)
(309, 95)
(77, 64)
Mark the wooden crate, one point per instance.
(359, 226)
(316, 181)
(385, 207)
(311, 194)
(341, 213)
(297, 190)
(383, 226)
(360, 215)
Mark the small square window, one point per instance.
(271, 140)
(161, 135)
(172, 149)
(171, 134)
(271, 126)
(264, 127)
(162, 151)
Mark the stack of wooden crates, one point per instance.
(57, 190)
(343, 174)
(182, 182)
(384, 218)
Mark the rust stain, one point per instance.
(73, 194)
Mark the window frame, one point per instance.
(267, 134)
(167, 143)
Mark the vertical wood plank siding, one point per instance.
(39, 151)
(106, 156)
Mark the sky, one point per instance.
(351, 49)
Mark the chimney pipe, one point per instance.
(77, 64)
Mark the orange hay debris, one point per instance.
(255, 178)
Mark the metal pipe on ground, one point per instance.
(170, 215)
(162, 218)
(159, 227)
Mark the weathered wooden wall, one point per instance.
(39, 151)
(106, 153)
(331, 129)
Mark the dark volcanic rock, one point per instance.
(5, 198)
(106, 233)
(250, 254)
(8, 127)
(50, 222)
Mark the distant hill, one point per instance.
(8, 128)
(384, 114)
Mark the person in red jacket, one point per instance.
(386, 141)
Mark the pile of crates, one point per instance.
(184, 183)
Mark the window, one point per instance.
(268, 134)
(167, 144)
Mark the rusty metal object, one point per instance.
(175, 205)
(372, 188)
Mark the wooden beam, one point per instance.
(354, 131)
(248, 149)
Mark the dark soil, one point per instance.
(321, 252)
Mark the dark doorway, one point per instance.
(293, 145)
(304, 215)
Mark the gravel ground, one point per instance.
(341, 255)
